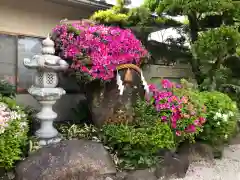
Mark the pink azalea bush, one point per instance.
(184, 116)
(104, 47)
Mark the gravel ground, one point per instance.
(227, 168)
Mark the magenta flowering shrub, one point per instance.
(181, 112)
(96, 50)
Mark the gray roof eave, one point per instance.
(96, 4)
(86, 3)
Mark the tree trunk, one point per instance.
(194, 28)
(212, 73)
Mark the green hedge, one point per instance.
(13, 132)
(221, 122)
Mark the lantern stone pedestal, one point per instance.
(45, 91)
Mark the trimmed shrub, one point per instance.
(13, 132)
(137, 144)
(221, 122)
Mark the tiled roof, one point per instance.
(102, 2)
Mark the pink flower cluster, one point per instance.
(179, 112)
(106, 48)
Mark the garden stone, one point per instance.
(218, 151)
(2, 172)
(172, 165)
(120, 175)
(4, 175)
(197, 151)
(81, 176)
(67, 160)
(107, 105)
(7, 175)
(108, 178)
(145, 174)
(235, 140)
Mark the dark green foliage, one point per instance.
(216, 44)
(137, 147)
(145, 113)
(212, 48)
(7, 89)
(140, 16)
(188, 6)
(233, 90)
(213, 31)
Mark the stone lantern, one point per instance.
(44, 89)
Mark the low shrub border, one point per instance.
(13, 132)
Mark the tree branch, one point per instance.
(199, 16)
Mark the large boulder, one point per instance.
(172, 165)
(146, 174)
(67, 160)
(4, 175)
(105, 103)
(197, 152)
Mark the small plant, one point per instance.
(180, 108)
(221, 118)
(13, 132)
(77, 131)
(137, 144)
(137, 147)
(33, 145)
(7, 89)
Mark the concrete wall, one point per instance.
(154, 73)
(174, 72)
(37, 18)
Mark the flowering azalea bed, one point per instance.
(185, 117)
(96, 50)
